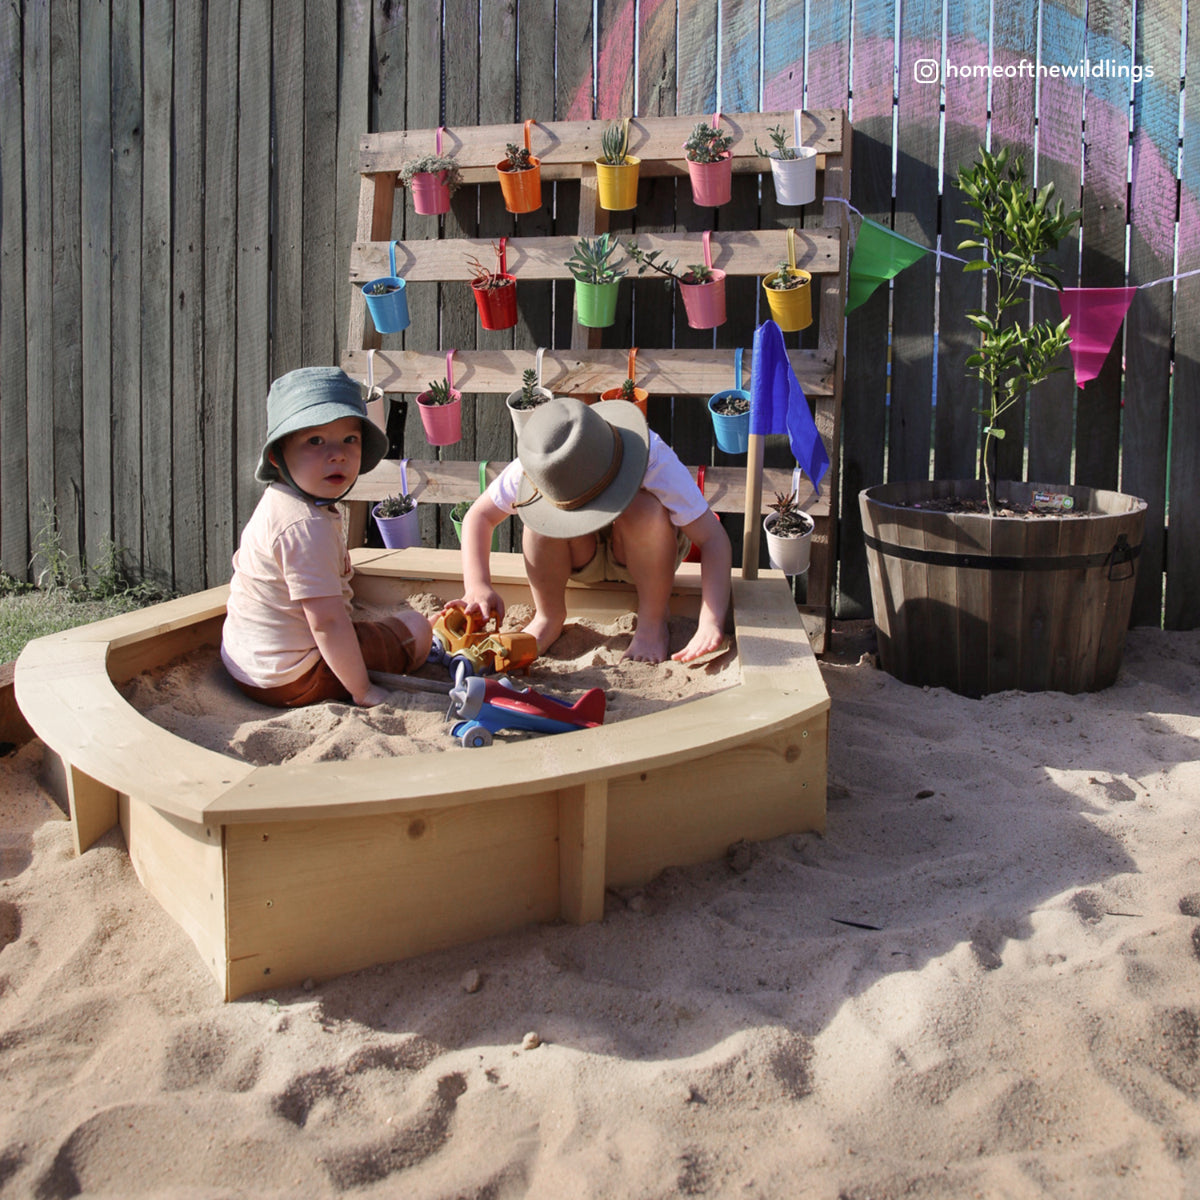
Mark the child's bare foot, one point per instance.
(650, 642)
(545, 629)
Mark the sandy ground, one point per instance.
(984, 980)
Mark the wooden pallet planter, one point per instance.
(567, 151)
(282, 873)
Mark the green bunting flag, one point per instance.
(879, 255)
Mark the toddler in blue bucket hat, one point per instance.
(289, 639)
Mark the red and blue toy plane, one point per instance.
(482, 707)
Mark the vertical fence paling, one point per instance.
(165, 253)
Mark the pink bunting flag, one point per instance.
(1096, 315)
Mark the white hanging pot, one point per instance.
(788, 554)
(796, 178)
(521, 415)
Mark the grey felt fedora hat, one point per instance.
(315, 396)
(583, 464)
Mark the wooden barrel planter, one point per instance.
(981, 604)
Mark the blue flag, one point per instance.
(778, 403)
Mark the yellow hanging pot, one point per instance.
(617, 183)
(791, 308)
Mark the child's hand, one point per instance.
(484, 601)
(374, 695)
(705, 640)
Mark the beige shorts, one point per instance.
(603, 566)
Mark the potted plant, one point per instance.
(1016, 585)
(628, 390)
(440, 406)
(495, 291)
(730, 413)
(520, 174)
(701, 285)
(789, 296)
(386, 298)
(617, 169)
(710, 164)
(432, 180)
(597, 280)
(396, 516)
(526, 398)
(789, 531)
(457, 513)
(793, 168)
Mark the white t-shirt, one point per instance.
(291, 550)
(666, 478)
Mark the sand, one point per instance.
(195, 698)
(984, 980)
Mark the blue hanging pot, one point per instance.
(387, 300)
(732, 429)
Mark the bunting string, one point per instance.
(1096, 314)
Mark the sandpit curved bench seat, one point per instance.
(280, 873)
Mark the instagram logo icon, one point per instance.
(927, 70)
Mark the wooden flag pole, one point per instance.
(750, 534)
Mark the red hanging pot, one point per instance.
(498, 305)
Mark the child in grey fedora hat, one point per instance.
(601, 497)
(288, 638)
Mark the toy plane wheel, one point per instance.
(476, 737)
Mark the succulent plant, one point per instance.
(532, 394)
(395, 505)
(706, 144)
(792, 521)
(589, 261)
(432, 164)
(782, 279)
(782, 150)
(438, 393)
(516, 158)
(649, 260)
(483, 278)
(614, 142)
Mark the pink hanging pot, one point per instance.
(712, 182)
(704, 303)
(431, 190)
(442, 422)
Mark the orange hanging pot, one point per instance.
(521, 177)
(629, 390)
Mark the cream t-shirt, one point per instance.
(291, 550)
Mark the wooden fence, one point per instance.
(178, 200)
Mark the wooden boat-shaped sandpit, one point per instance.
(282, 873)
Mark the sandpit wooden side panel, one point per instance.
(180, 863)
(693, 812)
(321, 897)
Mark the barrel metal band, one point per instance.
(1122, 554)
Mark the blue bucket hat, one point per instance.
(316, 396)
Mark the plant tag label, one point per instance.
(1053, 502)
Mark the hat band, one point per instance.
(614, 466)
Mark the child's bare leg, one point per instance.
(548, 563)
(645, 541)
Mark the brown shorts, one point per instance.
(386, 645)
